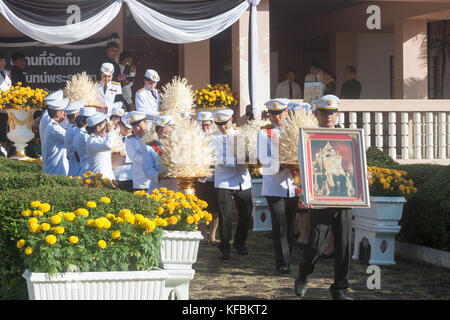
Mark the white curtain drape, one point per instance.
(63, 34)
(182, 31)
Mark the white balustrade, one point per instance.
(405, 137)
(429, 146)
(392, 135)
(417, 135)
(366, 128)
(379, 130)
(353, 120)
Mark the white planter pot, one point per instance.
(378, 225)
(261, 213)
(20, 129)
(121, 285)
(179, 249)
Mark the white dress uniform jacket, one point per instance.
(5, 80)
(151, 167)
(135, 151)
(148, 101)
(228, 174)
(43, 124)
(124, 171)
(74, 165)
(282, 90)
(276, 183)
(55, 150)
(108, 97)
(79, 146)
(98, 152)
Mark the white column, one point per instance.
(405, 137)
(366, 128)
(353, 120)
(417, 135)
(442, 135)
(379, 130)
(429, 147)
(341, 116)
(392, 135)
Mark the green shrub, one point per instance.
(19, 166)
(10, 180)
(377, 158)
(426, 215)
(12, 202)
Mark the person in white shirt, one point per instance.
(124, 170)
(99, 145)
(110, 92)
(231, 180)
(289, 89)
(135, 150)
(55, 150)
(72, 112)
(314, 73)
(204, 189)
(278, 186)
(80, 138)
(147, 99)
(45, 120)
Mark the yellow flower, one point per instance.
(58, 230)
(35, 204)
(102, 244)
(105, 200)
(28, 251)
(21, 243)
(33, 228)
(124, 212)
(82, 212)
(173, 220)
(163, 190)
(160, 211)
(130, 218)
(50, 239)
(115, 234)
(55, 219)
(190, 219)
(32, 221)
(102, 223)
(69, 216)
(45, 207)
(91, 204)
(73, 239)
(45, 226)
(26, 213)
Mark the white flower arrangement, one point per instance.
(177, 96)
(82, 87)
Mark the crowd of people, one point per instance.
(109, 139)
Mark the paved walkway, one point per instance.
(253, 277)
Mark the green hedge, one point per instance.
(12, 202)
(377, 158)
(426, 215)
(10, 180)
(7, 164)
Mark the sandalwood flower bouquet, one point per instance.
(217, 96)
(23, 98)
(178, 211)
(390, 182)
(90, 238)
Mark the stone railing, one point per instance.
(410, 131)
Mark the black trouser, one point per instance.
(323, 222)
(282, 213)
(126, 185)
(244, 205)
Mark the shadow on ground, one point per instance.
(254, 277)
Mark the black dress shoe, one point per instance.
(340, 295)
(241, 249)
(284, 270)
(300, 288)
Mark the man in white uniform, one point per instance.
(123, 171)
(72, 112)
(232, 180)
(278, 187)
(110, 92)
(99, 145)
(45, 120)
(135, 149)
(80, 139)
(55, 150)
(147, 99)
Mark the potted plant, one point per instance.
(20, 103)
(91, 253)
(212, 98)
(379, 224)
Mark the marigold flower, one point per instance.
(21, 243)
(105, 200)
(69, 216)
(33, 228)
(73, 239)
(45, 207)
(45, 226)
(124, 212)
(82, 212)
(58, 230)
(26, 213)
(160, 211)
(35, 204)
(115, 234)
(55, 219)
(190, 219)
(50, 239)
(102, 244)
(91, 204)
(28, 251)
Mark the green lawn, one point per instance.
(254, 277)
